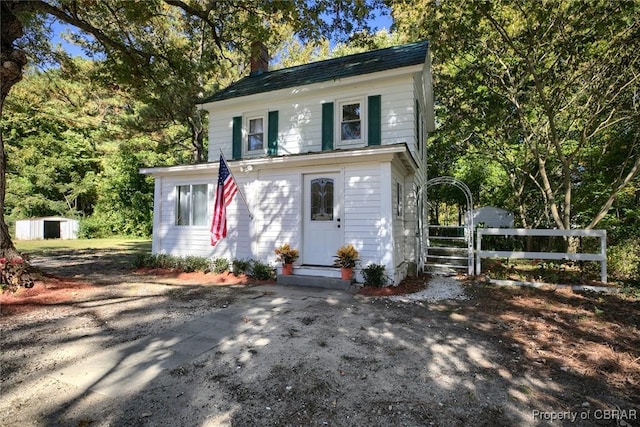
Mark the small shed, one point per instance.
(46, 228)
(491, 217)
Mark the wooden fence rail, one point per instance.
(599, 257)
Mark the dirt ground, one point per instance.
(502, 356)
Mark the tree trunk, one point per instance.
(12, 61)
(197, 136)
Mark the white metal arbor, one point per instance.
(468, 227)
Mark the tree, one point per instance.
(143, 44)
(548, 89)
(51, 128)
(125, 197)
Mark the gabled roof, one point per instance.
(330, 69)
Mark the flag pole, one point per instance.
(234, 180)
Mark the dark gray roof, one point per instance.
(330, 69)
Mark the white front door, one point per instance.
(322, 218)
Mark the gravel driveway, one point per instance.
(148, 351)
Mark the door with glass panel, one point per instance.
(322, 218)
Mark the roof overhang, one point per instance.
(380, 153)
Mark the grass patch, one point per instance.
(51, 246)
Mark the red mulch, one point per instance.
(223, 279)
(51, 290)
(61, 290)
(410, 285)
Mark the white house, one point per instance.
(328, 153)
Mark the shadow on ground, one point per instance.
(197, 355)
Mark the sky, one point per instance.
(378, 23)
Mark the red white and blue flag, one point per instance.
(227, 188)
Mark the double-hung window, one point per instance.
(191, 204)
(255, 135)
(350, 116)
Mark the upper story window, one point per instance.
(191, 204)
(255, 135)
(351, 120)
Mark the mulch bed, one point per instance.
(49, 290)
(222, 279)
(52, 290)
(410, 285)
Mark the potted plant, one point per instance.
(287, 256)
(346, 258)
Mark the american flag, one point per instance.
(227, 188)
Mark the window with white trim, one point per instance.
(256, 132)
(191, 204)
(351, 120)
(399, 199)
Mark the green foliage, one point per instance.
(187, 264)
(375, 275)
(220, 265)
(241, 266)
(49, 136)
(195, 263)
(262, 271)
(623, 260)
(545, 91)
(93, 228)
(125, 203)
(154, 261)
(254, 268)
(72, 153)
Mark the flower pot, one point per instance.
(287, 269)
(346, 273)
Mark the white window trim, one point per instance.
(420, 131)
(176, 207)
(399, 201)
(338, 121)
(245, 134)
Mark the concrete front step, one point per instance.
(313, 281)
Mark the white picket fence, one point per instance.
(599, 257)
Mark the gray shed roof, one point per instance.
(330, 69)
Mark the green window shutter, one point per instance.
(237, 138)
(327, 126)
(272, 137)
(375, 117)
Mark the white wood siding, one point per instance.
(362, 212)
(300, 115)
(410, 220)
(397, 177)
(405, 225)
(275, 199)
(180, 240)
